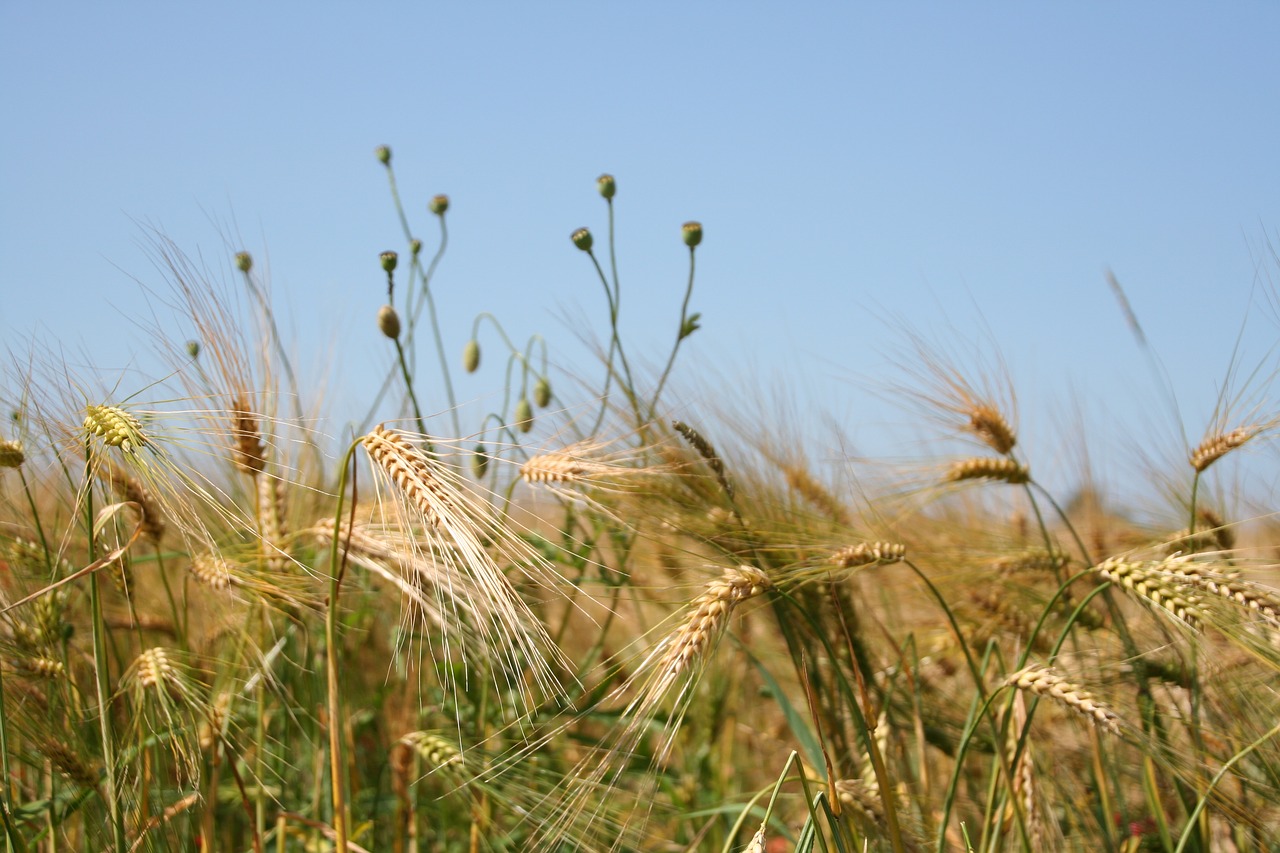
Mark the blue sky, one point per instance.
(972, 169)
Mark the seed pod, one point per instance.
(480, 462)
(244, 261)
(582, 239)
(471, 356)
(692, 233)
(193, 349)
(388, 260)
(607, 186)
(438, 204)
(383, 153)
(389, 321)
(524, 415)
(415, 246)
(11, 455)
(542, 393)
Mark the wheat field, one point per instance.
(595, 620)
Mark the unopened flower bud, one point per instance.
(388, 260)
(244, 261)
(692, 233)
(439, 204)
(582, 239)
(471, 356)
(523, 415)
(607, 185)
(11, 455)
(389, 321)
(542, 393)
(193, 349)
(383, 154)
(415, 246)
(480, 461)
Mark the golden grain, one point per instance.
(1044, 681)
(984, 468)
(1218, 445)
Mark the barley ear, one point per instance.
(1044, 681)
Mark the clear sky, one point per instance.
(970, 168)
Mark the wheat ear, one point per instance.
(1154, 582)
(868, 554)
(1220, 444)
(984, 468)
(988, 424)
(709, 615)
(116, 427)
(1044, 681)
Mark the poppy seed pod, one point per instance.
(383, 153)
(438, 204)
(389, 321)
(244, 261)
(471, 356)
(523, 415)
(582, 239)
(542, 393)
(388, 261)
(692, 233)
(480, 462)
(11, 455)
(607, 186)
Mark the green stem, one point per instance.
(615, 345)
(1217, 777)
(435, 329)
(100, 665)
(337, 564)
(408, 384)
(35, 518)
(680, 336)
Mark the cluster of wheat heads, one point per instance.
(585, 626)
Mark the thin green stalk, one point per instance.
(12, 839)
(615, 345)
(426, 293)
(337, 565)
(408, 384)
(682, 332)
(1218, 777)
(35, 518)
(100, 665)
(435, 329)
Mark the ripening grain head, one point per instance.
(1215, 446)
(1044, 681)
(988, 468)
(461, 532)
